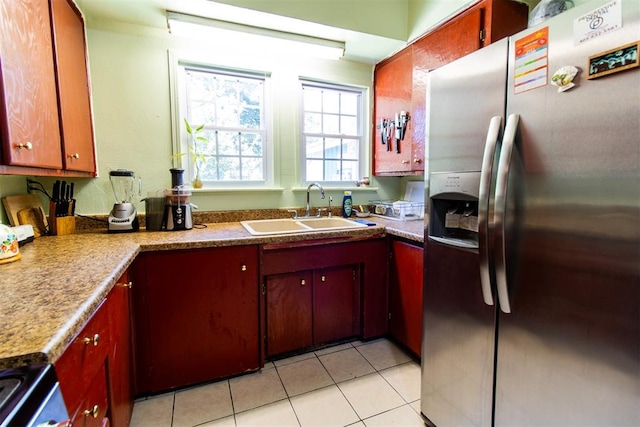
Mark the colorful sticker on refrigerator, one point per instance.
(531, 62)
(598, 22)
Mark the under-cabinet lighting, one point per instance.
(258, 38)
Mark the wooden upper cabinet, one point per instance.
(29, 110)
(45, 109)
(393, 88)
(73, 86)
(474, 28)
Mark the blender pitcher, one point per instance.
(123, 216)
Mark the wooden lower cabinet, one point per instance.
(91, 411)
(318, 292)
(95, 369)
(82, 369)
(196, 316)
(405, 295)
(289, 312)
(336, 303)
(121, 356)
(311, 308)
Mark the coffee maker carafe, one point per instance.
(177, 203)
(123, 217)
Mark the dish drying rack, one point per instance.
(398, 211)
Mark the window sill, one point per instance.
(238, 190)
(335, 188)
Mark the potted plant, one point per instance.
(196, 136)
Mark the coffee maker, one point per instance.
(177, 203)
(123, 217)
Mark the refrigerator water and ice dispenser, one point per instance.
(453, 208)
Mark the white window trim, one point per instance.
(363, 149)
(179, 134)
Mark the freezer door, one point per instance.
(462, 97)
(465, 97)
(568, 354)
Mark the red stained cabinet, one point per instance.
(311, 308)
(405, 295)
(29, 121)
(400, 81)
(196, 316)
(317, 292)
(45, 108)
(121, 355)
(289, 301)
(74, 100)
(336, 303)
(95, 370)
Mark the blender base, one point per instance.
(123, 219)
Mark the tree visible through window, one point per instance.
(332, 132)
(231, 107)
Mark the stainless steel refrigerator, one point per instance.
(532, 260)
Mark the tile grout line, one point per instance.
(288, 397)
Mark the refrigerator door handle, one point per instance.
(483, 206)
(500, 208)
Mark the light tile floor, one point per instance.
(356, 384)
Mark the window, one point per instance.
(232, 147)
(331, 132)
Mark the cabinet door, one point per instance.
(289, 312)
(405, 295)
(196, 316)
(28, 100)
(121, 354)
(84, 357)
(392, 89)
(92, 412)
(73, 86)
(336, 304)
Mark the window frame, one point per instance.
(179, 109)
(363, 145)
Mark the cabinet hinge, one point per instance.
(264, 289)
(353, 274)
(389, 315)
(483, 34)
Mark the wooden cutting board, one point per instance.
(26, 209)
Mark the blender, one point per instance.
(123, 217)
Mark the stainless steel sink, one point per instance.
(261, 227)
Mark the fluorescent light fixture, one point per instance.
(257, 38)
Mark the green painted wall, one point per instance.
(131, 106)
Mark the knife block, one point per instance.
(60, 225)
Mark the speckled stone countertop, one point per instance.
(50, 293)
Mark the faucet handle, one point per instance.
(320, 210)
(294, 212)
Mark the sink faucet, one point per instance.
(315, 184)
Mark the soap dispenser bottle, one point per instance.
(347, 204)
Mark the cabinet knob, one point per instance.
(27, 146)
(417, 160)
(244, 267)
(94, 340)
(303, 282)
(93, 411)
(74, 156)
(323, 279)
(405, 162)
(129, 285)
